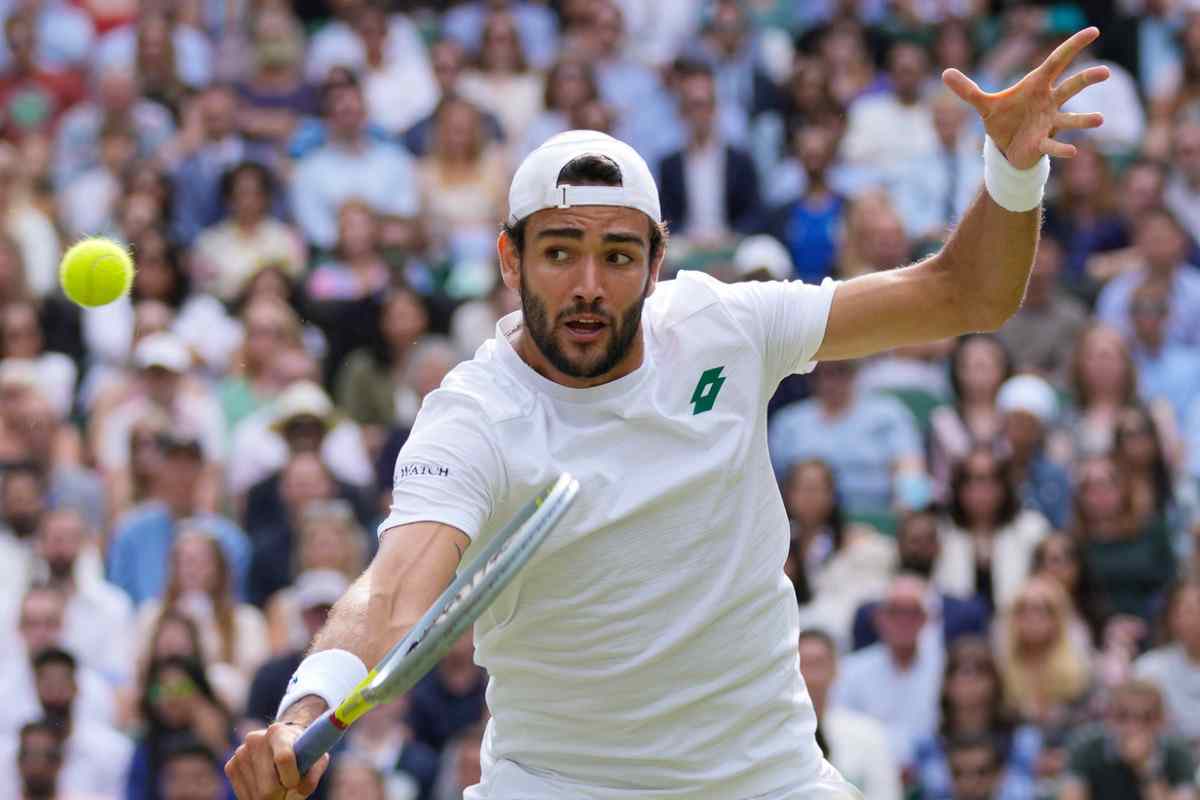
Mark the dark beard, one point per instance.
(922, 567)
(541, 329)
(40, 788)
(60, 569)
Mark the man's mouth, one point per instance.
(585, 328)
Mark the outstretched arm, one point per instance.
(977, 280)
(413, 566)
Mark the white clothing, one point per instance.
(1012, 555)
(649, 648)
(193, 412)
(95, 703)
(882, 132)
(256, 451)
(704, 185)
(859, 749)
(40, 249)
(95, 762)
(1178, 678)
(97, 628)
(904, 701)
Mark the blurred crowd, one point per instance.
(994, 539)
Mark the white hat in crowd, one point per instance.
(1030, 394)
(318, 587)
(763, 252)
(303, 399)
(163, 350)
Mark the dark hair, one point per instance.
(27, 468)
(589, 77)
(1085, 593)
(194, 670)
(972, 646)
(265, 177)
(590, 170)
(338, 78)
(976, 741)
(689, 67)
(836, 521)
(54, 655)
(1010, 504)
(956, 356)
(41, 726)
(818, 635)
(181, 286)
(1160, 473)
(188, 746)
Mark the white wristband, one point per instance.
(328, 674)
(1013, 189)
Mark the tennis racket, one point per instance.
(446, 620)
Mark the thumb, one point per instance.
(964, 87)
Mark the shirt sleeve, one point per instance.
(449, 470)
(786, 319)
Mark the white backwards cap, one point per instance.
(535, 185)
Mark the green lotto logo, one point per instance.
(707, 390)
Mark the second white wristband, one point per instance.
(1013, 189)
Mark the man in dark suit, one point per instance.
(918, 547)
(709, 189)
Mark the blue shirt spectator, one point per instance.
(351, 164)
(193, 53)
(65, 35)
(866, 439)
(1016, 783)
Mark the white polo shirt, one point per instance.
(649, 649)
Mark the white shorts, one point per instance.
(506, 780)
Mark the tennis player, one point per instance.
(649, 648)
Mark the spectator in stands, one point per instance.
(126, 46)
(356, 779)
(1085, 218)
(450, 699)
(868, 440)
(394, 62)
(273, 95)
(873, 238)
(97, 616)
(22, 347)
(537, 27)
(350, 164)
(809, 224)
(873, 119)
(64, 34)
(922, 551)
(1155, 488)
(356, 268)
(302, 482)
(383, 740)
(177, 703)
(1130, 556)
(32, 97)
(88, 203)
(1030, 409)
(1059, 557)
(464, 182)
(40, 627)
(1041, 335)
(269, 329)
(972, 706)
(897, 680)
(844, 563)
(191, 771)
(709, 189)
(1174, 666)
(39, 760)
(116, 96)
(176, 635)
(985, 514)
(979, 364)
(1129, 756)
(975, 764)
(1046, 674)
(1168, 373)
(139, 557)
(22, 503)
(312, 594)
(461, 768)
(228, 253)
(449, 61)
(855, 743)
(199, 587)
(95, 756)
(28, 225)
(1182, 192)
(569, 84)
(1162, 244)
(501, 80)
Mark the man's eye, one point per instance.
(620, 259)
(556, 254)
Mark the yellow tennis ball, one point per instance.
(96, 271)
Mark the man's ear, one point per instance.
(510, 261)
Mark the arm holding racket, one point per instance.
(413, 565)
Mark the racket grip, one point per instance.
(317, 740)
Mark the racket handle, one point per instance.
(317, 740)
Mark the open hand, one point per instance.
(1023, 119)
